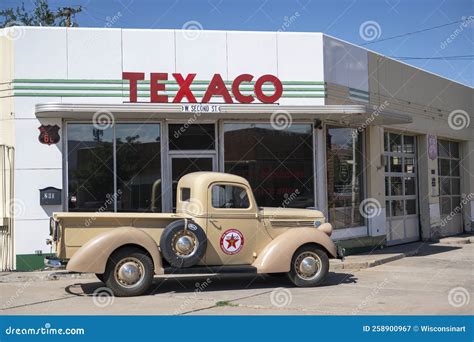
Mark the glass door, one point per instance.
(182, 165)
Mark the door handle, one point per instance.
(214, 223)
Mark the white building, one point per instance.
(383, 148)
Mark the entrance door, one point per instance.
(401, 191)
(182, 165)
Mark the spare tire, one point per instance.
(183, 247)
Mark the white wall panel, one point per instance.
(40, 53)
(94, 53)
(201, 52)
(148, 51)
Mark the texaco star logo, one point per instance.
(232, 241)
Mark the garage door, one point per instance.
(449, 188)
(401, 188)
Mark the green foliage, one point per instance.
(40, 15)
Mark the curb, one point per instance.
(338, 265)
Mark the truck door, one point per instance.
(231, 225)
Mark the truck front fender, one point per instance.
(93, 256)
(276, 256)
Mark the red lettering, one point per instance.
(133, 77)
(184, 90)
(217, 88)
(276, 83)
(155, 87)
(236, 91)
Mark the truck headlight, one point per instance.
(317, 223)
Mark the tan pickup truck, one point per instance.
(217, 228)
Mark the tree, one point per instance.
(41, 15)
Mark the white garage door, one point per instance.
(401, 188)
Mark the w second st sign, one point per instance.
(216, 88)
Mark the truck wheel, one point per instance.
(183, 247)
(309, 266)
(129, 272)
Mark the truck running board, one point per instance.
(211, 269)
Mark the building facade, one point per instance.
(109, 119)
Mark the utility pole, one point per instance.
(68, 12)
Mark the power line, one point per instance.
(413, 33)
(461, 57)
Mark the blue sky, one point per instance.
(340, 18)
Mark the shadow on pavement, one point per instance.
(222, 282)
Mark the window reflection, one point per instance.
(277, 163)
(344, 169)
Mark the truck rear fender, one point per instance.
(276, 256)
(93, 256)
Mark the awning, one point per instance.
(339, 114)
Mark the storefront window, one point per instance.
(126, 177)
(277, 163)
(344, 176)
(138, 155)
(449, 177)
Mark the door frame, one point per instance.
(168, 155)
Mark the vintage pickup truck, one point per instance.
(217, 227)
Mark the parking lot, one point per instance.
(438, 280)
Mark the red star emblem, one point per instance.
(231, 241)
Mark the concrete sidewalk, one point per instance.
(352, 262)
(389, 254)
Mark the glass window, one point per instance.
(444, 186)
(229, 196)
(185, 194)
(192, 136)
(444, 168)
(409, 165)
(409, 144)
(395, 143)
(397, 208)
(137, 174)
(395, 164)
(449, 177)
(90, 168)
(277, 163)
(138, 153)
(396, 186)
(344, 176)
(410, 186)
(410, 207)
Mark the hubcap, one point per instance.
(129, 272)
(308, 265)
(184, 243)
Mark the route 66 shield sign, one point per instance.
(49, 134)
